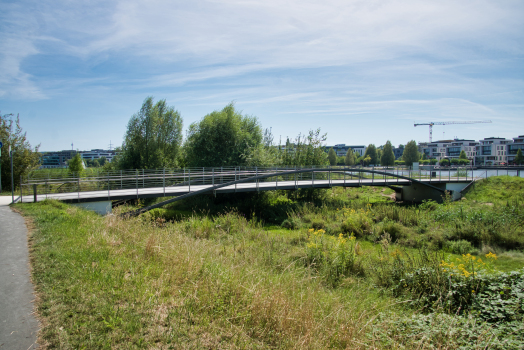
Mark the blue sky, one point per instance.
(362, 71)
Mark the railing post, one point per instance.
(78, 187)
(235, 179)
(46, 189)
(313, 178)
(12, 184)
(164, 182)
(276, 178)
(373, 173)
(120, 179)
(189, 171)
(137, 183)
(143, 178)
(213, 176)
(108, 188)
(256, 175)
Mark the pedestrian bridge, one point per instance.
(101, 188)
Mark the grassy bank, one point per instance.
(318, 278)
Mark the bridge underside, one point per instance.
(418, 190)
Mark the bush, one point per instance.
(459, 247)
(334, 258)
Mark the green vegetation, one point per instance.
(76, 166)
(411, 153)
(349, 269)
(350, 158)
(332, 156)
(222, 138)
(153, 137)
(518, 158)
(25, 157)
(388, 157)
(371, 155)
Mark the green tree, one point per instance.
(76, 165)
(463, 155)
(444, 162)
(223, 138)
(332, 156)
(153, 137)
(388, 157)
(411, 153)
(305, 150)
(518, 158)
(349, 159)
(25, 157)
(371, 152)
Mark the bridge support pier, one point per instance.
(416, 193)
(102, 208)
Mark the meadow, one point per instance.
(285, 270)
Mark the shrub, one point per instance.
(334, 258)
(459, 247)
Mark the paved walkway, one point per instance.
(18, 326)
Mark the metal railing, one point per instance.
(54, 185)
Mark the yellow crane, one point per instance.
(447, 123)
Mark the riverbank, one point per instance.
(370, 274)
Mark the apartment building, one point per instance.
(518, 143)
(492, 151)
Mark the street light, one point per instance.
(12, 181)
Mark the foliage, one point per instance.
(463, 155)
(76, 165)
(371, 152)
(388, 157)
(332, 257)
(444, 162)
(222, 138)
(411, 153)
(432, 161)
(153, 137)
(305, 150)
(519, 159)
(332, 156)
(25, 158)
(349, 159)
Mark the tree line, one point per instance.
(226, 137)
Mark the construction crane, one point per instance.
(447, 123)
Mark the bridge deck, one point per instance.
(175, 191)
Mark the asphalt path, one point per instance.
(18, 325)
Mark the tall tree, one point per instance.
(463, 155)
(388, 157)
(153, 137)
(371, 152)
(518, 158)
(411, 153)
(305, 150)
(222, 138)
(332, 157)
(350, 157)
(76, 165)
(25, 157)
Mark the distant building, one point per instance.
(518, 143)
(398, 152)
(97, 154)
(341, 149)
(58, 159)
(492, 151)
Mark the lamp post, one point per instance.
(12, 180)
